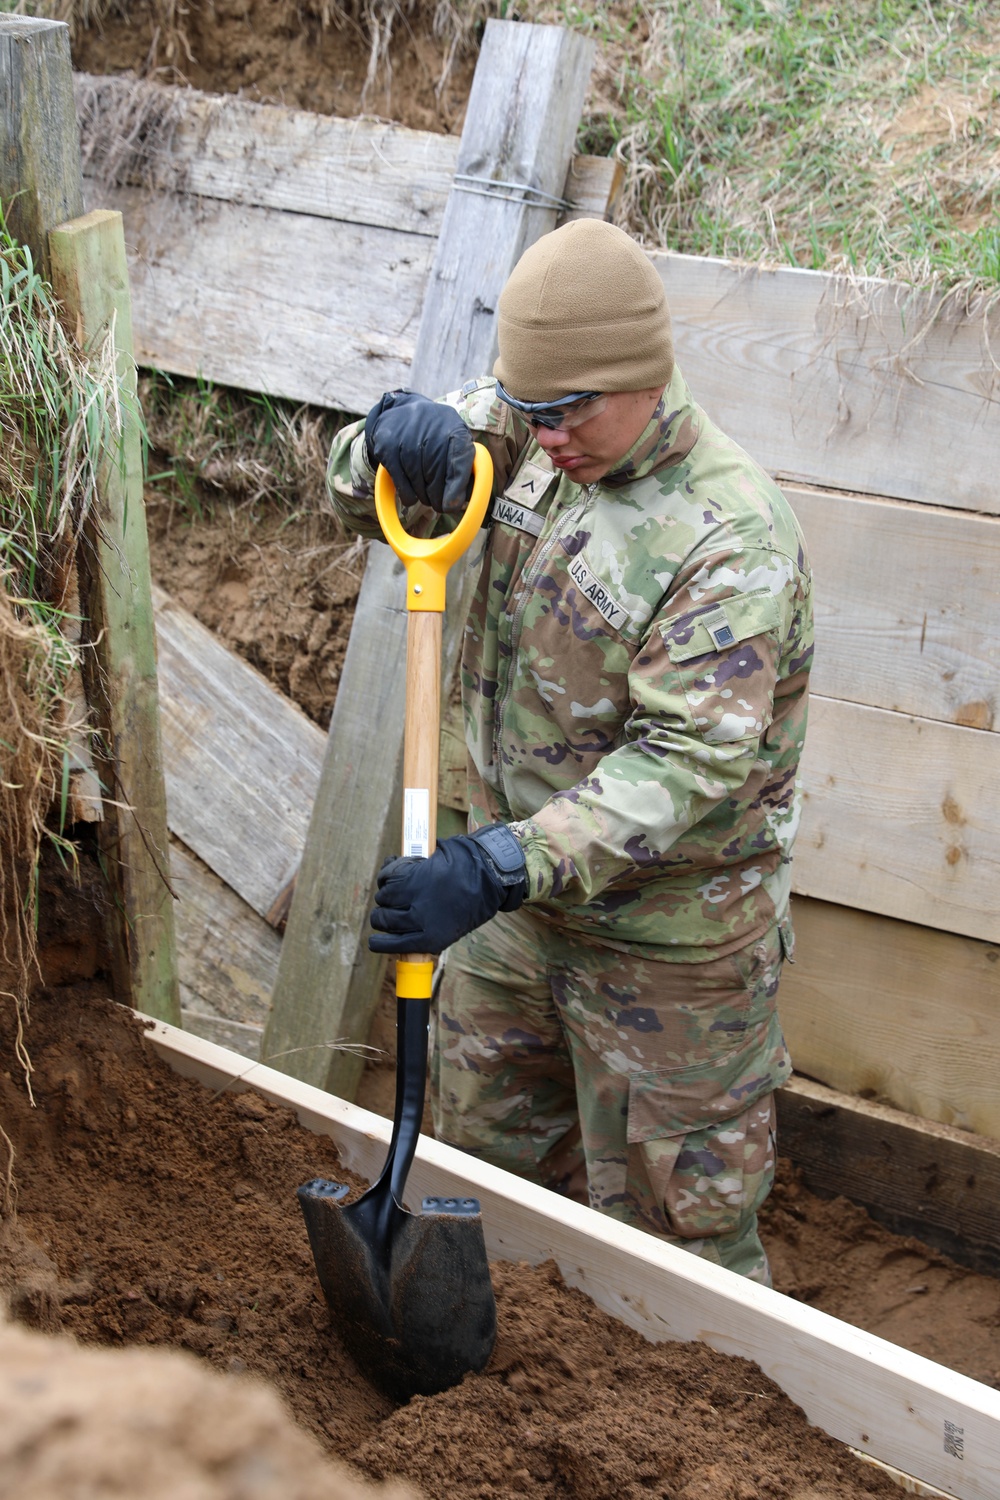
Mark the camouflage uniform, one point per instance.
(634, 685)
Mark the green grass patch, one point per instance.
(861, 137)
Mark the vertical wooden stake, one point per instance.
(90, 278)
(520, 127)
(40, 179)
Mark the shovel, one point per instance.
(410, 1293)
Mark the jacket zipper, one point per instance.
(526, 583)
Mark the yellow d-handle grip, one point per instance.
(427, 560)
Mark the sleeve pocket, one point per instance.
(717, 627)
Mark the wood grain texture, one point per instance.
(940, 1184)
(901, 817)
(359, 171)
(895, 1012)
(288, 304)
(866, 386)
(520, 126)
(242, 762)
(227, 956)
(907, 598)
(40, 182)
(90, 279)
(864, 1391)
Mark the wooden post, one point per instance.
(520, 128)
(90, 278)
(40, 178)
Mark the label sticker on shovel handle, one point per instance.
(416, 822)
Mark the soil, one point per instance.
(277, 52)
(154, 1212)
(277, 587)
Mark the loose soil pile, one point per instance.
(153, 1212)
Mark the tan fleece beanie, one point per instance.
(583, 310)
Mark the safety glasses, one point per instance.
(560, 415)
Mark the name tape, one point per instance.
(518, 516)
(593, 589)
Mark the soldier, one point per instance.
(634, 685)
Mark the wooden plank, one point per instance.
(894, 1012)
(288, 304)
(520, 125)
(883, 1400)
(859, 385)
(242, 1039)
(900, 816)
(218, 146)
(932, 1181)
(227, 956)
(360, 171)
(90, 278)
(40, 182)
(907, 598)
(242, 762)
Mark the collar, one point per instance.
(668, 437)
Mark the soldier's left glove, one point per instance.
(425, 905)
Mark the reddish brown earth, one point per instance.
(277, 52)
(154, 1212)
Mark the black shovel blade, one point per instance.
(414, 1306)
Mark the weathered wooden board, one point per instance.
(288, 304)
(896, 1012)
(866, 386)
(361, 171)
(90, 280)
(907, 600)
(889, 1403)
(901, 817)
(520, 126)
(227, 955)
(940, 1184)
(242, 763)
(40, 183)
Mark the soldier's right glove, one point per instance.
(426, 447)
(425, 905)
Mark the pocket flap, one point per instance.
(673, 1101)
(717, 627)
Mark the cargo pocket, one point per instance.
(700, 1139)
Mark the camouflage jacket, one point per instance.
(634, 677)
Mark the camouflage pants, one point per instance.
(645, 1087)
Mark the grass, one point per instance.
(209, 442)
(58, 413)
(861, 137)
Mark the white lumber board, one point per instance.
(227, 955)
(288, 304)
(861, 385)
(895, 1012)
(907, 599)
(901, 816)
(868, 1393)
(242, 763)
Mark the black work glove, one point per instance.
(426, 447)
(425, 905)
